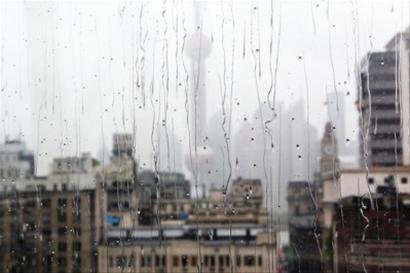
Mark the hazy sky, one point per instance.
(69, 70)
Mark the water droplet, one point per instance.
(211, 234)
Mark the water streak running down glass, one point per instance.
(205, 136)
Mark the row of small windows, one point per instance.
(62, 203)
(184, 261)
(76, 231)
(403, 180)
(10, 173)
(62, 246)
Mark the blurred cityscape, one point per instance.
(348, 216)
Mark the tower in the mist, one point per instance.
(198, 48)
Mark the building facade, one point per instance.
(384, 105)
(47, 231)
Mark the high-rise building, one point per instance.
(384, 105)
(400, 44)
(47, 223)
(47, 231)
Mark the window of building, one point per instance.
(175, 261)
(221, 260)
(62, 231)
(238, 260)
(62, 246)
(184, 260)
(62, 217)
(157, 260)
(249, 260)
(370, 180)
(62, 202)
(194, 260)
(404, 180)
(212, 261)
(120, 261)
(206, 260)
(131, 261)
(77, 246)
(259, 260)
(145, 261)
(62, 261)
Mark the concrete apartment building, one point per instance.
(47, 231)
(46, 223)
(383, 103)
(184, 254)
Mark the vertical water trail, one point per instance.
(308, 153)
(141, 59)
(362, 207)
(332, 66)
(226, 131)
(165, 81)
(244, 41)
(268, 130)
(176, 53)
(259, 42)
(313, 17)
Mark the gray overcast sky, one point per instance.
(68, 67)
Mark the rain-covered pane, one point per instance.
(205, 136)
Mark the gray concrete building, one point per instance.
(383, 104)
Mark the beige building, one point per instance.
(190, 256)
(359, 182)
(219, 233)
(116, 196)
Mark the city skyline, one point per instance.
(114, 111)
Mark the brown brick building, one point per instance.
(47, 231)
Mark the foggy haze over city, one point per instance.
(205, 136)
(72, 66)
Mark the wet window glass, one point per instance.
(204, 136)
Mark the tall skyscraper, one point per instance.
(400, 44)
(384, 104)
(198, 48)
